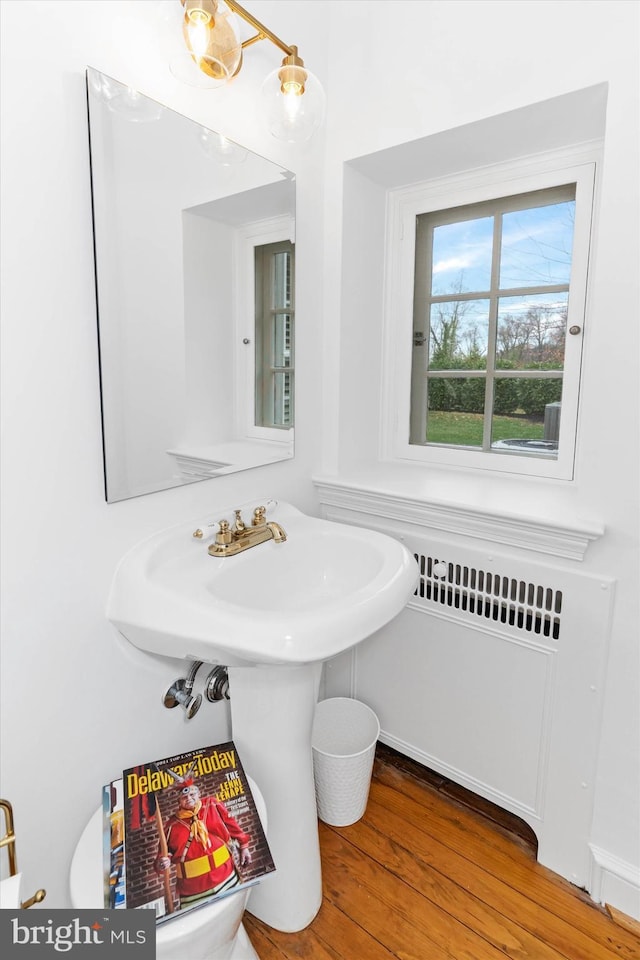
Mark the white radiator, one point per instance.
(493, 676)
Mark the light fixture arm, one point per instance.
(263, 32)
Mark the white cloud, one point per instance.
(453, 263)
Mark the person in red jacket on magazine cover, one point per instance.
(198, 838)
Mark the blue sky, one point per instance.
(536, 250)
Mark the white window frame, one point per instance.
(576, 165)
(248, 238)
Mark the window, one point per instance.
(492, 284)
(275, 306)
(490, 311)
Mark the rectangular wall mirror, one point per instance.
(195, 277)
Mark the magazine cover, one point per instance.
(192, 832)
(113, 845)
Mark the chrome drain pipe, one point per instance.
(216, 685)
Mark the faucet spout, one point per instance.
(277, 532)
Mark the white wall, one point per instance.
(463, 62)
(78, 704)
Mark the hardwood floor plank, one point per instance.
(263, 939)
(465, 833)
(331, 927)
(628, 923)
(518, 831)
(274, 945)
(557, 932)
(450, 817)
(334, 926)
(449, 896)
(406, 922)
(423, 876)
(491, 905)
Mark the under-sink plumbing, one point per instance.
(216, 687)
(180, 692)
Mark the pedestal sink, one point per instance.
(272, 615)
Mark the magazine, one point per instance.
(192, 832)
(113, 845)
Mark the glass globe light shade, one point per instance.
(220, 149)
(135, 107)
(126, 101)
(207, 52)
(293, 103)
(102, 86)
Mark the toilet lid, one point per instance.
(86, 878)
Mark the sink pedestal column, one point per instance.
(272, 709)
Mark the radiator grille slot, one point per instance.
(525, 606)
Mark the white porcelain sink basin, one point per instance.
(323, 590)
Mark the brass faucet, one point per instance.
(237, 538)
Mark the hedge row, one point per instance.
(510, 396)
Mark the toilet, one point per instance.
(212, 932)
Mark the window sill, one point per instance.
(198, 462)
(523, 531)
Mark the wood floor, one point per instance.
(425, 877)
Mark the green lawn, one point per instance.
(465, 429)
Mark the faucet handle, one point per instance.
(224, 534)
(259, 517)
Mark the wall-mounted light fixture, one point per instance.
(293, 98)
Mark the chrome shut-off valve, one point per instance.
(180, 692)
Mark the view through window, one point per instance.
(491, 296)
(275, 306)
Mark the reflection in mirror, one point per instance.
(195, 266)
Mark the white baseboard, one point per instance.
(614, 881)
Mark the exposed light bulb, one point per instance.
(291, 103)
(294, 101)
(197, 31)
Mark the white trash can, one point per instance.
(344, 738)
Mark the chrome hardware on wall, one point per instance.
(180, 693)
(216, 685)
(9, 841)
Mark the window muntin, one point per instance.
(275, 312)
(491, 289)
